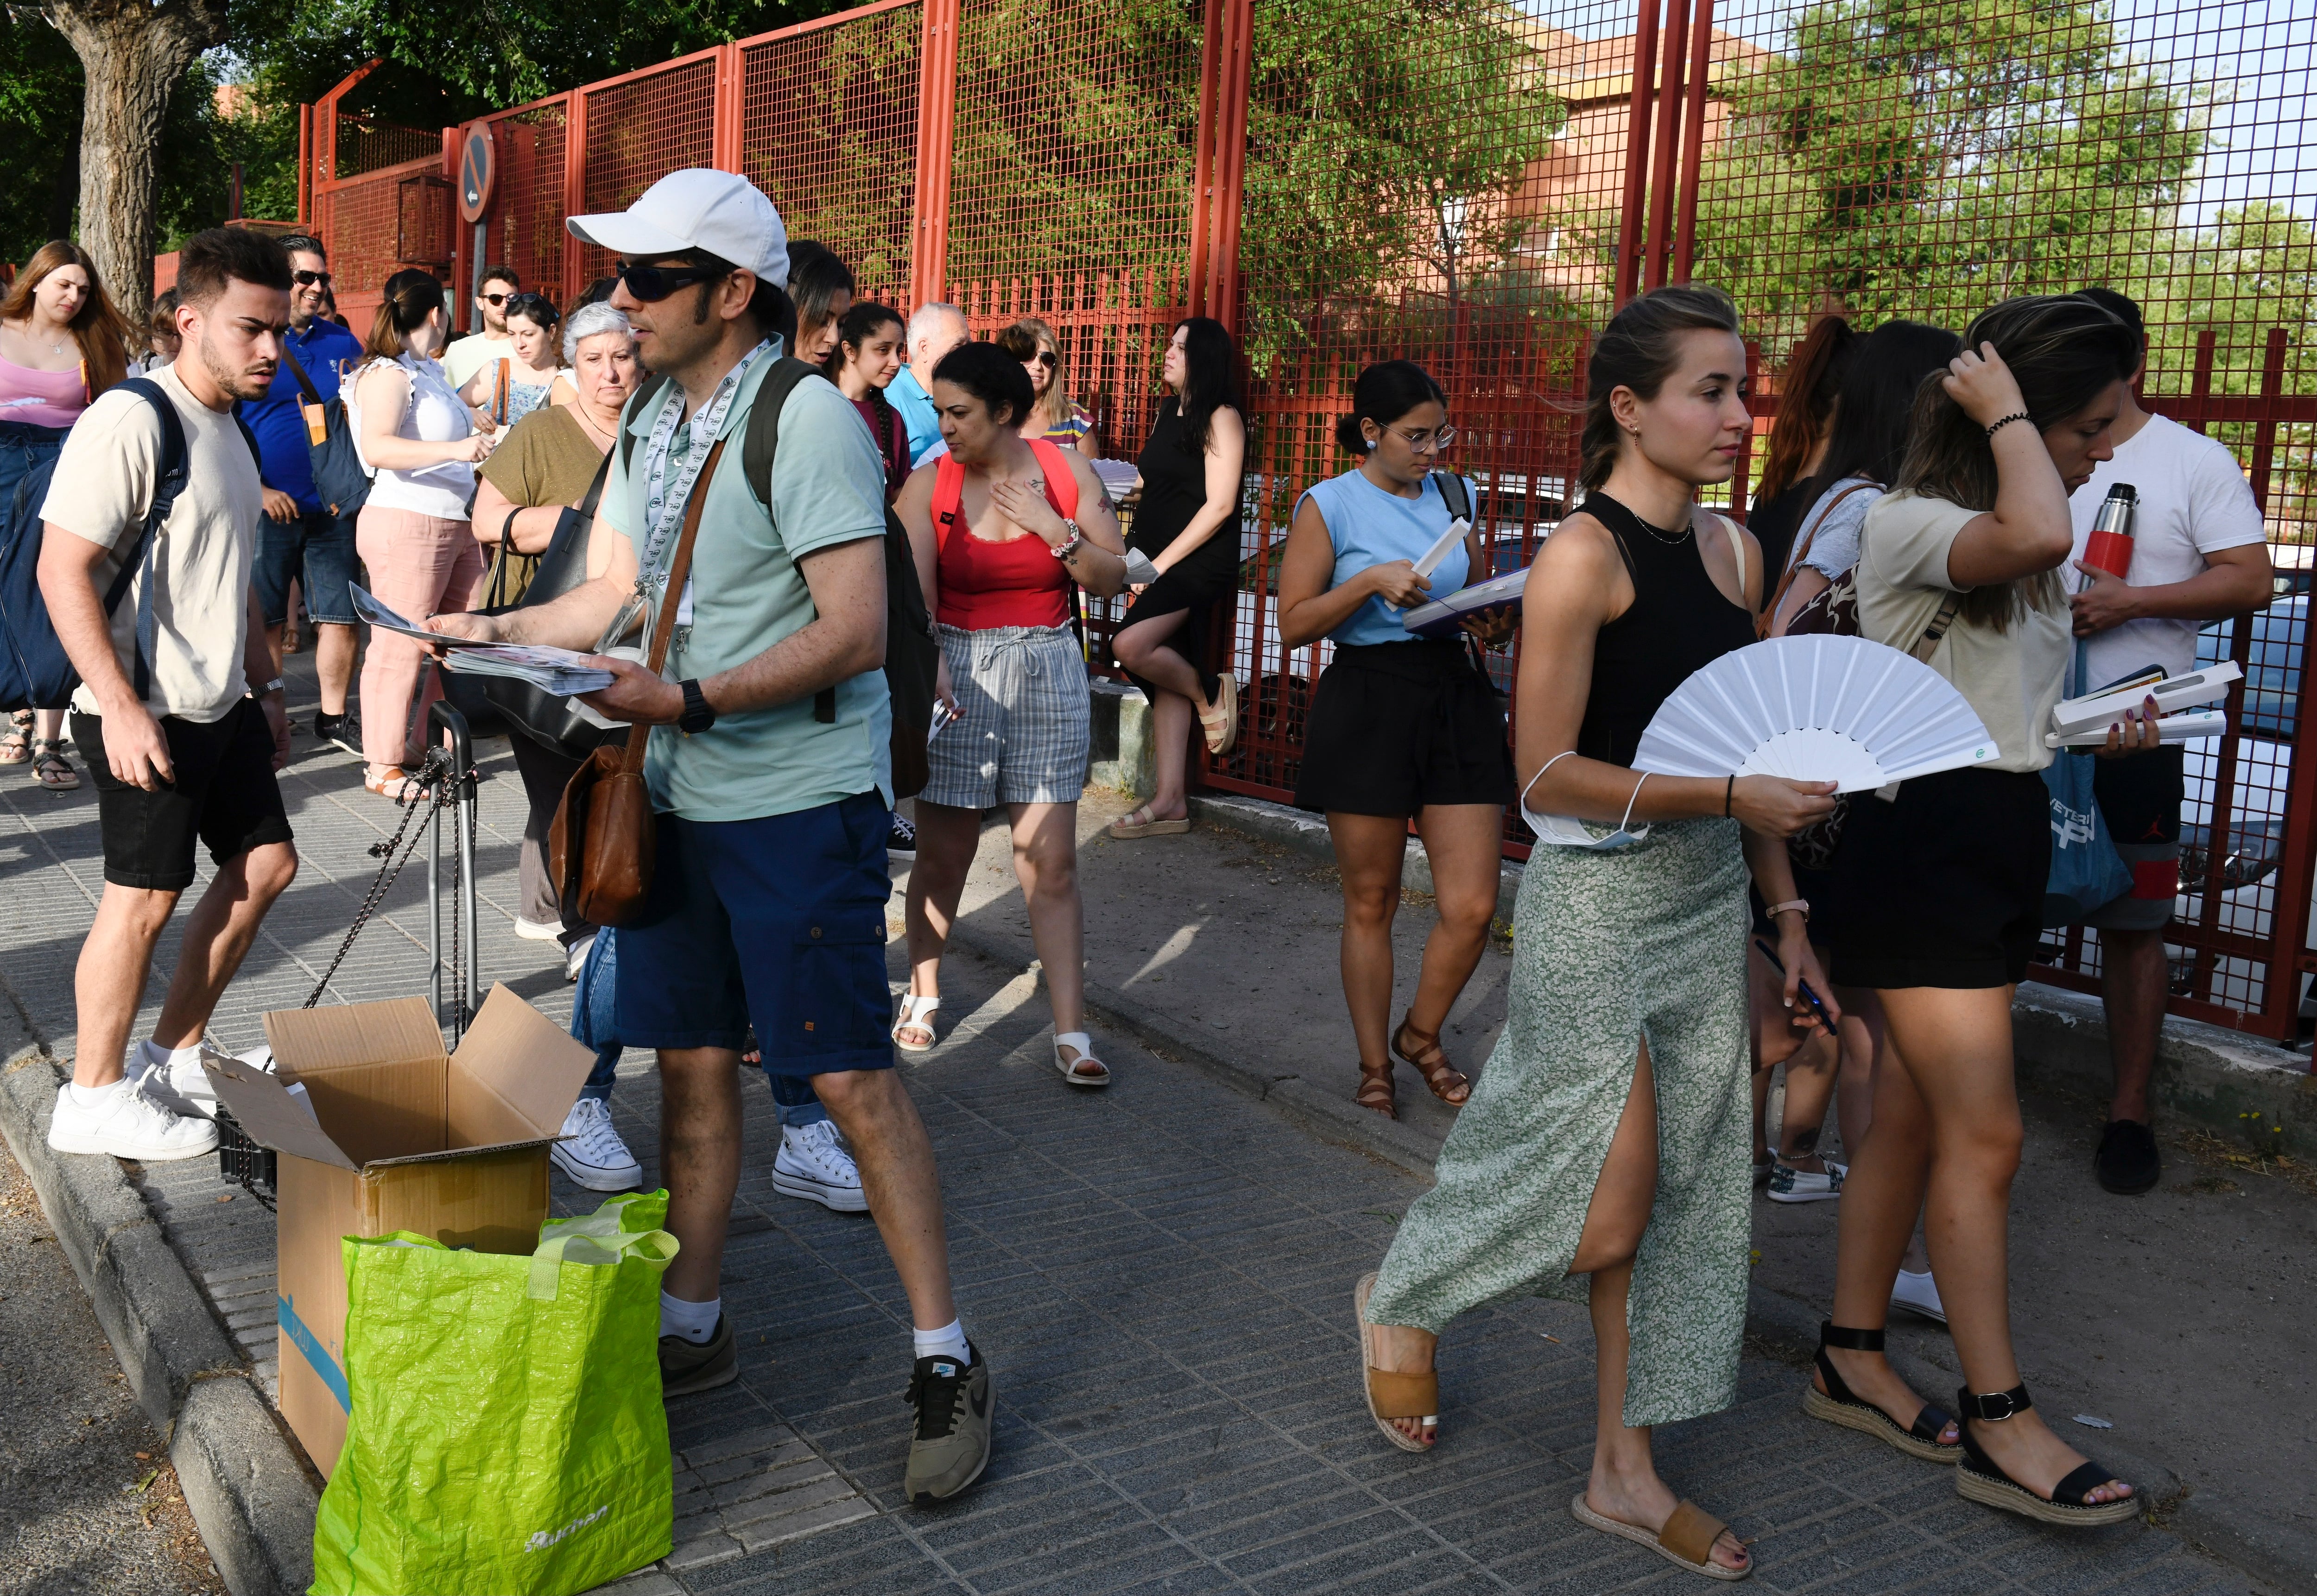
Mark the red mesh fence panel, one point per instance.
(526, 211)
(640, 128)
(1444, 186)
(830, 129)
(366, 144)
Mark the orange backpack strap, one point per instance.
(947, 509)
(1062, 482)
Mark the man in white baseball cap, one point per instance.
(770, 770)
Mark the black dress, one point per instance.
(1774, 521)
(1174, 489)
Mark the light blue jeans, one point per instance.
(595, 1024)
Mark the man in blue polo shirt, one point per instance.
(300, 537)
(933, 331)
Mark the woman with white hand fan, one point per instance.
(1608, 1136)
(1939, 892)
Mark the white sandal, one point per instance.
(915, 1012)
(1073, 1070)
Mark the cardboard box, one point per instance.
(399, 1135)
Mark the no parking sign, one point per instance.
(478, 165)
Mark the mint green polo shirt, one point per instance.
(828, 487)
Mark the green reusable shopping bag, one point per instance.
(506, 1437)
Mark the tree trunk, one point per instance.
(132, 53)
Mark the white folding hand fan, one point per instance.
(1815, 708)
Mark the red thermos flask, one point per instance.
(2109, 546)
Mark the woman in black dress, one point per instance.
(1187, 524)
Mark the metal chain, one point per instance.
(459, 995)
(434, 776)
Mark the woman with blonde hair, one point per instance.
(62, 342)
(412, 429)
(1054, 416)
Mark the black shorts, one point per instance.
(1396, 727)
(1943, 886)
(2140, 798)
(223, 792)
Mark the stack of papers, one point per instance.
(558, 671)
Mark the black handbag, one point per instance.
(339, 480)
(500, 704)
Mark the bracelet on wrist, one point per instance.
(1800, 905)
(2002, 421)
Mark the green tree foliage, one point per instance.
(39, 126)
(1927, 157)
(2255, 269)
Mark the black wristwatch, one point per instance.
(697, 716)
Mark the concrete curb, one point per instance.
(1307, 834)
(2282, 1557)
(248, 1491)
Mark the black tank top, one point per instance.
(1678, 623)
(1175, 489)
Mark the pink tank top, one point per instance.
(42, 398)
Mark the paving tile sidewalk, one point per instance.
(1160, 1276)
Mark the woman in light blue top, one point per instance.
(1401, 727)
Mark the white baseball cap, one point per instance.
(699, 208)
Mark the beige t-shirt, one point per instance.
(102, 490)
(2010, 678)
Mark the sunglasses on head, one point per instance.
(539, 307)
(308, 279)
(650, 284)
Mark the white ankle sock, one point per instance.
(92, 1097)
(693, 1321)
(949, 1341)
(157, 1056)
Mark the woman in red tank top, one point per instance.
(1002, 527)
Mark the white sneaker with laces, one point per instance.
(537, 931)
(815, 1163)
(595, 1157)
(901, 839)
(1789, 1184)
(182, 1088)
(1919, 1294)
(127, 1124)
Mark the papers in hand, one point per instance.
(1432, 556)
(942, 715)
(1443, 617)
(551, 670)
(2084, 722)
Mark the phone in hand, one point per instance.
(1802, 988)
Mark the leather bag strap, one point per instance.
(1795, 560)
(679, 568)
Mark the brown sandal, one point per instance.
(1392, 1396)
(1376, 1091)
(1448, 1084)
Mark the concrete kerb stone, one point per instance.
(249, 1491)
(1307, 834)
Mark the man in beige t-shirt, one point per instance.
(182, 728)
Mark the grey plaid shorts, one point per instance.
(1021, 735)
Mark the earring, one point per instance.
(1371, 444)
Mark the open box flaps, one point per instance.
(383, 1091)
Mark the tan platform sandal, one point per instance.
(1427, 1059)
(1687, 1537)
(1222, 727)
(1142, 824)
(1391, 1395)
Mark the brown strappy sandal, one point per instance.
(1447, 1083)
(1376, 1091)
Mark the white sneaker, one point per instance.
(182, 1088)
(1919, 1294)
(595, 1157)
(814, 1163)
(1789, 1184)
(127, 1124)
(533, 931)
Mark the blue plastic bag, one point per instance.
(2087, 871)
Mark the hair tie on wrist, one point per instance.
(2002, 421)
(1729, 790)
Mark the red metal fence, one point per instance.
(1475, 184)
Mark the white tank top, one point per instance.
(434, 415)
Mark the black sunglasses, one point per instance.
(538, 306)
(649, 284)
(1045, 357)
(308, 279)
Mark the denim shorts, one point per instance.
(780, 921)
(318, 549)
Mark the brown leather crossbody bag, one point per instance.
(600, 848)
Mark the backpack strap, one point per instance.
(1768, 617)
(1453, 494)
(168, 481)
(637, 403)
(499, 390)
(1929, 644)
(298, 370)
(948, 506)
(1062, 482)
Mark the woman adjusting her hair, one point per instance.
(1603, 1155)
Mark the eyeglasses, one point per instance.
(308, 279)
(1429, 442)
(649, 285)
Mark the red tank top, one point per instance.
(1016, 583)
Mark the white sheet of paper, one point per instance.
(1439, 550)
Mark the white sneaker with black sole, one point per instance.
(815, 1163)
(125, 1122)
(901, 842)
(595, 1156)
(1789, 1184)
(1919, 1294)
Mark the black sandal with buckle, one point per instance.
(1977, 1477)
(1840, 1405)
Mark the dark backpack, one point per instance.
(339, 480)
(912, 653)
(35, 673)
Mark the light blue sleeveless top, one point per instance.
(1370, 527)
